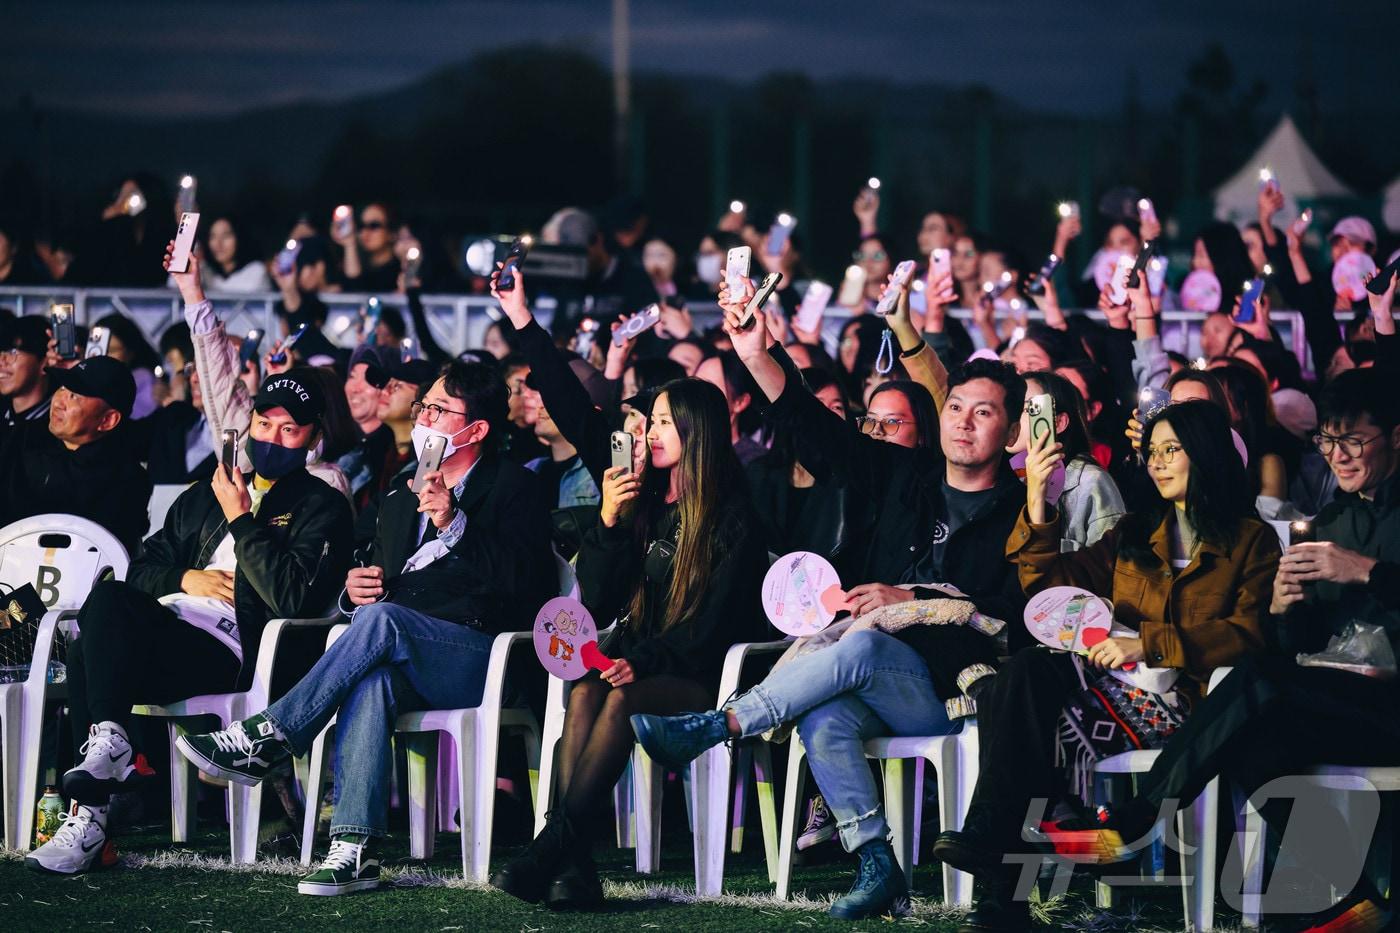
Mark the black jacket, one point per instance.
(903, 494)
(162, 436)
(292, 556)
(102, 481)
(611, 566)
(497, 576)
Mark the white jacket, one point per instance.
(227, 404)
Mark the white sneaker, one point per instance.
(820, 825)
(108, 767)
(79, 845)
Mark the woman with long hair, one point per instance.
(130, 347)
(1190, 578)
(677, 558)
(233, 264)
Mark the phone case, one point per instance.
(760, 297)
(902, 272)
(1042, 279)
(518, 251)
(99, 339)
(1118, 285)
(65, 332)
(736, 268)
(343, 221)
(1041, 409)
(1151, 401)
(777, 238)
(184, 243)
(621, 443)
(1249, 300)
(809, 313)
(852, 287)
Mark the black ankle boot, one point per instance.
(528, 875)
(576, 886)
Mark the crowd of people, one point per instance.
(904, 454)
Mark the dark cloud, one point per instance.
(154, 59)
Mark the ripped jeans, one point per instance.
(867, 685)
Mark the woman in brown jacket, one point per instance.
(1192, 578)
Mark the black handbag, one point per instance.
(21, 611)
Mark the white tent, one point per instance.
(1298, 169)
(1390, 205)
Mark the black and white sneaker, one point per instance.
(245, 752)
(109, 766)
(820, 827)
(80, 844)
(350, 866)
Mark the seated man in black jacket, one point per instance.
(937, 517)
(463, 559)
(85, 464)
(235, 552)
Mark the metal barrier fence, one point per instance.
(459, 322)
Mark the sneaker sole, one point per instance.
(900, 907)
(37, 866)
(332, 890)
(194, 757)
(817, 837)
(83, 786)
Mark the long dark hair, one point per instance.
(143, 355)
(920, 403)
(338, 427)
(782, 454)
(1075, 436)
(245, 251)
(1218, 496)
(1230, 257)
(1203, 377)
(710, 477)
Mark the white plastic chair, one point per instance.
(955, 762)
(163, 496)
(22, 704)
(637, 796)
(245, 803)
(1195, 827)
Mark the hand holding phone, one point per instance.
(779, 233)
(852, 287)
(343, 223)
(429, 462)
(519, 249)
(736, 269)
(229, 453)
(281, 355)
(755, 305)
(184, 243)
(1151, 401)
(637, 324)
(1042, 279)
(902, 273)
(65, 331)
(1249, 300)
(813, 306)
(1139, 264)
(622, 450)
(248, 349)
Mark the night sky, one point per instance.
(166, 59)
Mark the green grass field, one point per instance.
(160, 886)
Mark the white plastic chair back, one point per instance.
(163, 496)
(82, 534)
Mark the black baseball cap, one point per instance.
(300, 397)
(377, 364)
(412, 371)
(101, 377)
(28, 334)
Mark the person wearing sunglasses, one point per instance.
(369, 264)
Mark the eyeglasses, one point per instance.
(1165, 454)
(1351, 445)
(878, 255)
(372, 225)
(434, 412)
(879, 427)
(968, 254)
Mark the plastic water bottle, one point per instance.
(58, 672)
(49, 815)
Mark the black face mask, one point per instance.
(273, 461)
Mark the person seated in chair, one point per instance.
(235, 551)
(451, 566)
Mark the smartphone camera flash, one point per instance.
(413, 254)
(872, 183)
(187, 181)
(785, 219)
(736, 207)
(291, 244)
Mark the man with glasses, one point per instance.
(464, 558)
(1273, 717)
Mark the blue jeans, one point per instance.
(867, 685)
(391, 660)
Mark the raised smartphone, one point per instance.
(184, 242)
(1140, 264)
(621, 443)
(343, 222)
(1041, 412)
(1301, 532)
(65, 331)
(1249, 300)
(1151, 401)
(1300, 226)
(412, 266)
(99, 339)
(643, 320)
(1068, 209)
(1381, 282)
(280, 356)
(584, 337)
(1118, 285)
(429, 461)
(1042, 279)
(813, 306)
(287, 257)
(852, 287)
(184, 202)
(902, 273)
(760, 297)
(248, 349)
(736, 269)
(1147, 211)
(228, 455)
(779, 233)
(519, 249)
(940, 263)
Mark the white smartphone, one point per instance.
(186, 198)
(809, 313)
(779, 233)
(1118, 285)
(736, 269)
(852, 287)
(940, 263)
(1147, 211)
(184, 242)
(621, 443)
(430, 461)
(343, 221)
(99, 339)
(902, 272)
